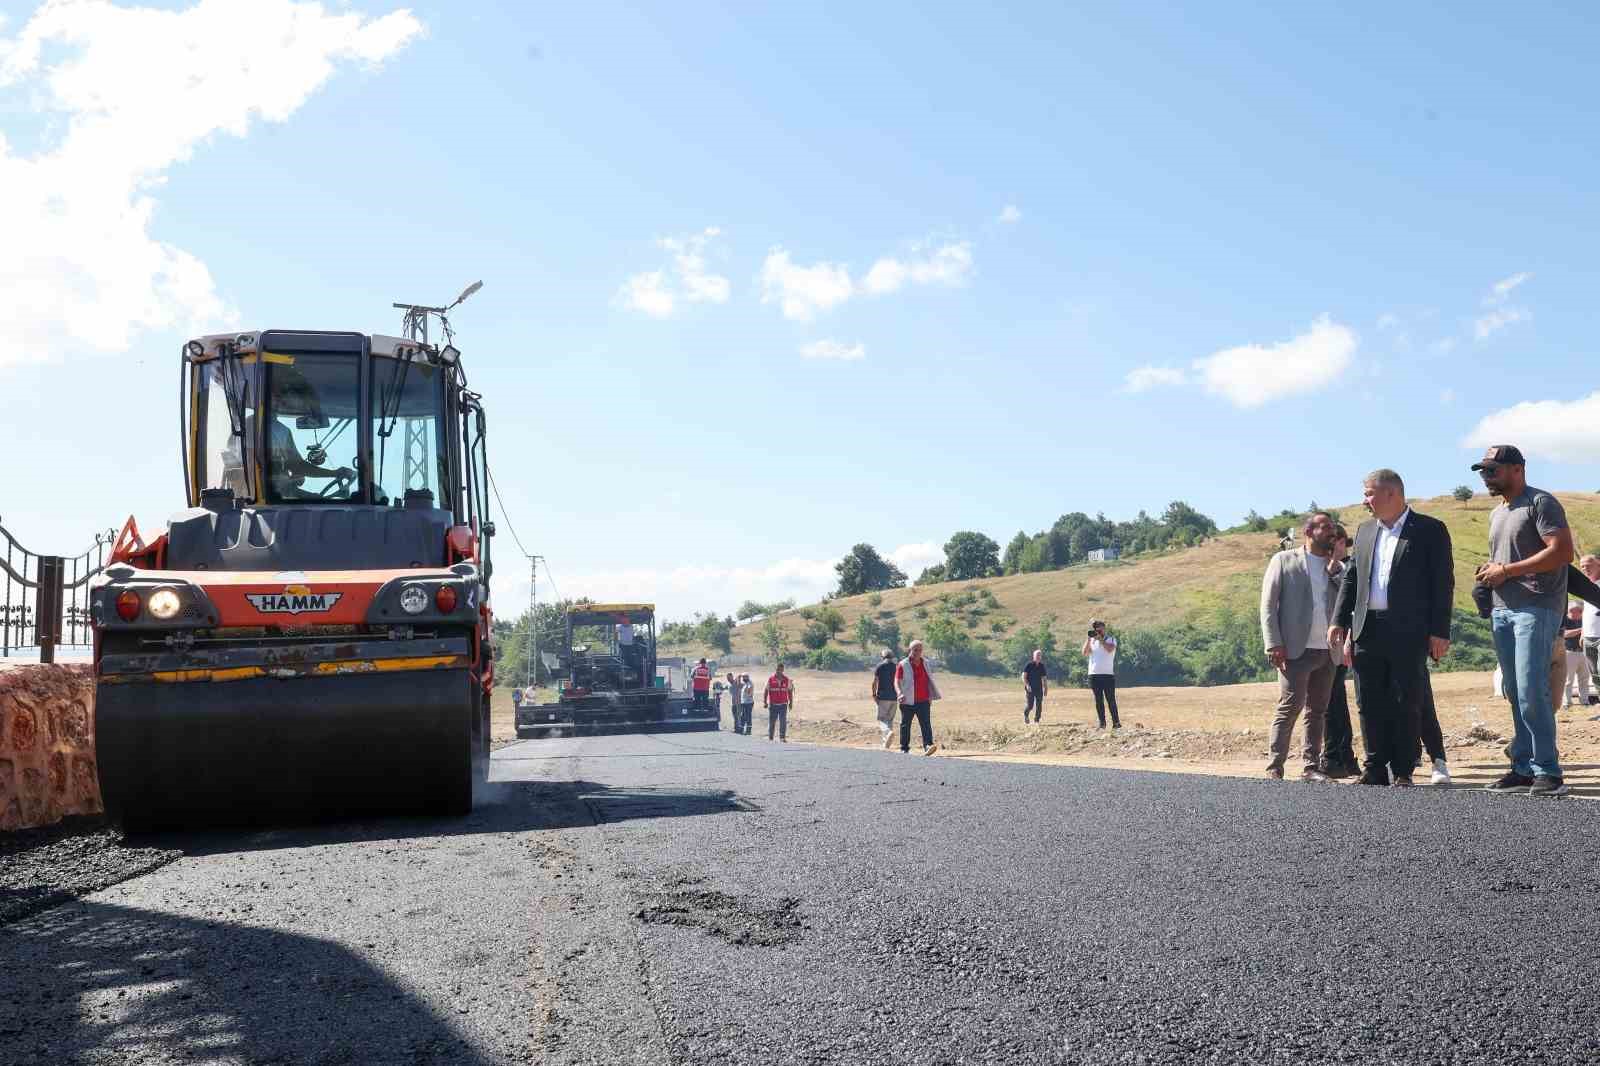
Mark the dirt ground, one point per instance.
(1220, 730)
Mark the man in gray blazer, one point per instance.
(1298, 593)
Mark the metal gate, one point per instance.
(44, 599)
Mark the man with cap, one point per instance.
(883, 695)
(1530, 545)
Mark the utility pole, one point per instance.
(533, 623)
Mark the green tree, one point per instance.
(1018, 648)
(864, 570)
(773, 640)
(969, 554)
(714, 632)
(831, 619)
(866, 634)
(889, 634)
(1462, 492)
(814, 635)
(1254, 522)
(1011, 561)
(932, 575)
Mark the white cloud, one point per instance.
(1010, 214)
(1444, 345)
(1503, 288)
(128, 92)
(653, 293)
(803, 291)
(1485, 326)
(949, 264)
(1567, 431)
(1255, 374)
(831, 349)
(915, 558)
(1145, 378)
(648, 293)
(1500, 316)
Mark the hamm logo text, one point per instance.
(293, 603)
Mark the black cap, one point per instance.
(1500, 455)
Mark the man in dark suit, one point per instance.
(1394, 602)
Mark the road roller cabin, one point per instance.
(309, 638)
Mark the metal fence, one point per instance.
(44, 599)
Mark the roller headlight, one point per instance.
(164, 604)
(414, 599)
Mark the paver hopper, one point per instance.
(310, 637)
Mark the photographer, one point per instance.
(1101, 651)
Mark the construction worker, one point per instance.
(777, 699)
(700, 682)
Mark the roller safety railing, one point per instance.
(44, 599)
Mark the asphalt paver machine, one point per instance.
(607, 680)
(310, 637)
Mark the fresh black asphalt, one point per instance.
(707, 898)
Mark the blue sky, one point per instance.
(1084, 259)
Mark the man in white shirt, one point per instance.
(1298, 591)
(1101, 651)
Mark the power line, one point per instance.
(506, 517)
(552, 578)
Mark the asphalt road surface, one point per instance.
(706, 898)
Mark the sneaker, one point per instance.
(1441, 773)
(1275, 773)
(1314, 775)
(888, 741)
(1511, 781)
(1549, 785)
(1402, 781)
(1381, 780)
(931, 749)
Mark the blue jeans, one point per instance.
(1522, 641)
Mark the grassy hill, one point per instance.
(1179, 594)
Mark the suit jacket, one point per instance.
(1287, 604)
(1422, 579)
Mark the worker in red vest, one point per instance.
(700, 681)
(777, 699)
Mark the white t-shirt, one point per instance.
(1317, 572)
(1591, 621)
(1103, 656)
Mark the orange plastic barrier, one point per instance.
(47, 766)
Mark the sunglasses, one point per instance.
(1488, 470)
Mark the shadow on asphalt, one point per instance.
(94, 982)
(500, 807)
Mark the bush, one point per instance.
(1017, 649)
(814, 635)
(808, 613)
(831, 619)
(998, 626)
(826, 659)
(889, 635)
(875, 599)
(921, 612)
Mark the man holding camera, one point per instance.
(1101, 651)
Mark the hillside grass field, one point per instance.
(1143, 591)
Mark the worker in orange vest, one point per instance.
(700, 681)
(777, 699)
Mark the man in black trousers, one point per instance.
(1394, 603)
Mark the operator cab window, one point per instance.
(311, 447)
(408, 443)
